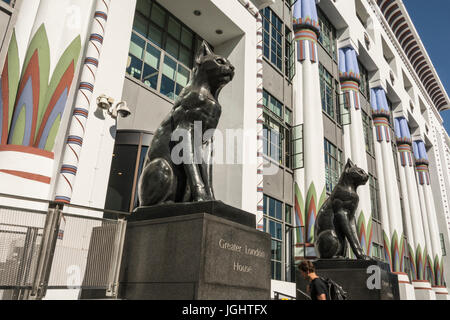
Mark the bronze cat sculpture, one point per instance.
(335, 224)
(164, 180)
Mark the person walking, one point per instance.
(317, 288)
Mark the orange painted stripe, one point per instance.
(28, 176)
(29, 150)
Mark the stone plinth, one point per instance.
(362, 280)
(206, 251)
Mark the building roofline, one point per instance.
(397, 17)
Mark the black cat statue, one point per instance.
(164, 180)
(335, 224)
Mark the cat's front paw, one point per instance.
(201, 196)
(366, 258)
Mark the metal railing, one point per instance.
(59, 248)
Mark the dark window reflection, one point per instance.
(130, 150)
(122, 178)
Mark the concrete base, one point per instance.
(194, 257)
(423, 290)
(406, 289)
(441, 293)
(362, 280)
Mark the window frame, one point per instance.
(327, 29)
(330, 159)
(286, 226)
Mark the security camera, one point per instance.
(123, 110)
(104, 102)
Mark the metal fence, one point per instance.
(68, 249)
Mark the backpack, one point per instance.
(335, 291)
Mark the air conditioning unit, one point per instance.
(261, 4)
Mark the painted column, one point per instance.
(441, 187)
(72, 150)
(392, 220)
(48, 47)
(309, 182)
(13, 65)
(434, 257)
(355, 145)
(412, 210)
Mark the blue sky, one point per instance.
(432, 20)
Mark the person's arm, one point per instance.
(323, 296)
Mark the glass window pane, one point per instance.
(152, 57)
(137, 46)
(185, 57)
(279, 233)
(186, 38)
(278, 210)
(150, 76)
(183, 76)
(140, 25)
(168, 87)
(272, 229)
(134, 67)
(121, 178)
(288, 214)
(172, 47)
(158, 15)
(143, 6)
(168, 78)
(272, 207)
(155, 35)
(174, 28)
(169, 68)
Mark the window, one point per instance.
(272, 37)
(297, 148)
(333, 165)
(327, 37)
(374, 198)
(272, 104)
(364, 87)
(326, 91)
(444, 251)
(161, 50)
(377, 251)
(368, 133)
(289, 55)
(272, 140)
(126, 167)
(277, 222)
(276, 130)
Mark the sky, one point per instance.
(432, 21)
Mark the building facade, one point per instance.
(317, 83)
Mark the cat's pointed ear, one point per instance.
(204, 51)
(350, 164)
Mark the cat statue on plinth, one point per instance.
(335, 225)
